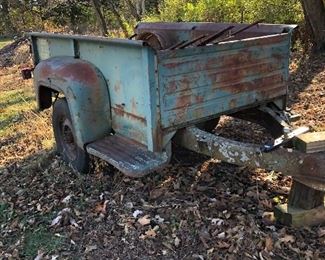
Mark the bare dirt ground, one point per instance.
(197, 208)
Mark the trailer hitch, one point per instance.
(307, 168)
(284, 139)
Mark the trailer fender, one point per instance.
(85, 89)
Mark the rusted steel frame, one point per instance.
(96, 39)
(285, 138)
(192, 41)
(239, 31)
(277, 114)
(308, 168)
(132, 36)
(246, 27)
(215, 36)
(175, 46)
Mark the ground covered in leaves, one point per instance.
(197, 208)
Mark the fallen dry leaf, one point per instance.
(222, 245)
(56, 221)
(177, 241)
(90, 248)
(288, 239)
(269, 244)
(155, 194)
(321, 232)
(67, 199)
(148, 234)
(101, 207)
(39, 256)
(64, 218)
(151, 233)
(221, 235)
(145, 220)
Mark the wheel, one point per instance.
(209, 125)
(65, 138)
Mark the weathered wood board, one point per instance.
(305, 207)
(311, 142)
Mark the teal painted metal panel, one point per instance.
(86, 92)
(197, 83)
(152, 93)
(53, 47)
(127, 70)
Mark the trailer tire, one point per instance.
(65, 138)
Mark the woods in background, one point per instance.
(118, 17)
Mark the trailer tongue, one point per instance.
(308, 168)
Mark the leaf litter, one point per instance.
(196, 208)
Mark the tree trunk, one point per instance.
(314, 12)
(100, 17)
(134, 10)
(9, 27)
(118, 18)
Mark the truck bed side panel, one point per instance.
(129, 73)
(122, 67)
(197, 83)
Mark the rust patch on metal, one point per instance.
(117, 86)
(74, 70)
(258, 84)
(183, 101)
(133, 106)
(172, 87)
(199, 99)
(81, 72)
(119, 111)
(233, 103)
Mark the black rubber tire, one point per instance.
(65, 138)
(209, 125)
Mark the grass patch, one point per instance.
(41, 239)
(13, 104)
(5, 212)
(4, 42)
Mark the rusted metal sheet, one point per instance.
(151, 89)
(201, 82)
(173, 33)
(132, 158)
(307, 168)
(128, 70)
(84, 88)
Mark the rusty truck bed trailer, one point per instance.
(126, 100)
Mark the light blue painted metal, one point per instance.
(85, 90)
(129, 72)
(153, 93)
(197, 83)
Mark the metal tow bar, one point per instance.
(307, 168)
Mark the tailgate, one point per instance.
(196, 83)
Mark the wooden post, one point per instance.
(305, 207)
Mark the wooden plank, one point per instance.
(304, 197)
(297, 217)
(311, 142)
(305, 207)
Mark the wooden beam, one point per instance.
(305, 207)
(310, 142)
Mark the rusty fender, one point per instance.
(85, 89)
(306, 168)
